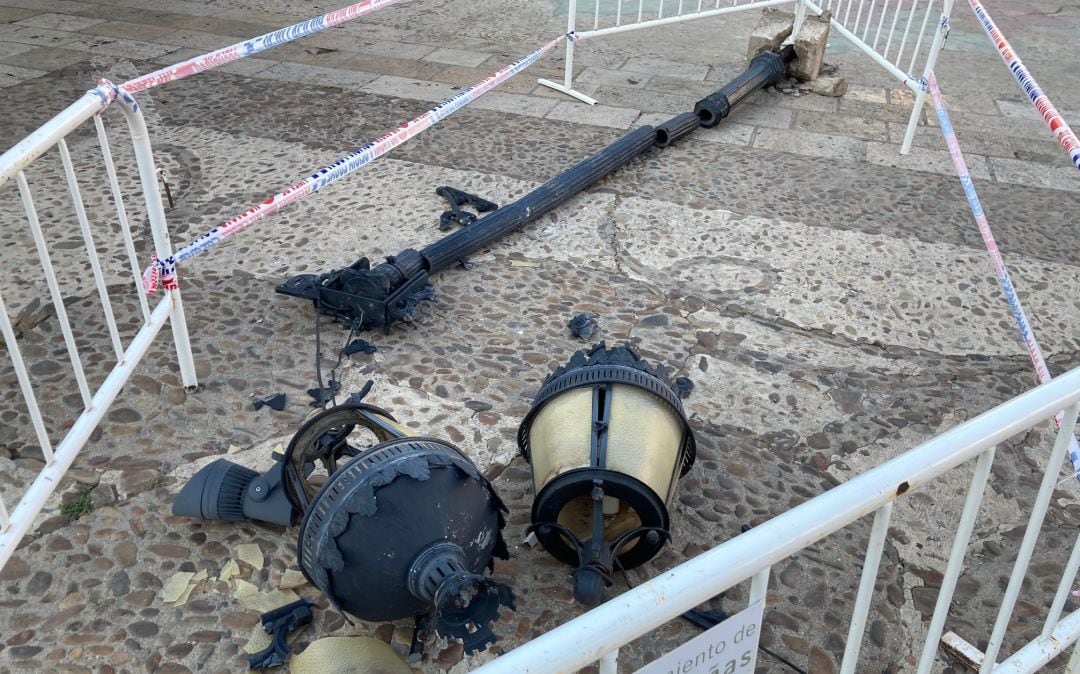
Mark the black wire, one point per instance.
(318, 353)
(341, 356)
(782, 659)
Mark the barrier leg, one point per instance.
(931, 60)
(567, 86)
(144, 157)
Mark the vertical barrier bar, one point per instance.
(1031, 535)
(956, 559)
(54, 287)
(919, 37)
(880, 24)
(144, 158)
(91, 251)
(121, 213)
(800, 17)
(931, 61)
(596, 14)
(571, 26)
(759, 586)
(907, 30)
(892, 29)
(866, 588)
(869, 20)
(858, 16)
(1074, 661)
(24, 383)
(1067, 580)
(609, 664)
(618, 13)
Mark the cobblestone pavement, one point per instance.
(829, 297)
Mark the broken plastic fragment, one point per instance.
(258, 641)
(199, 577)
(175, 586)
(321, 396)
(274, 402)
(250, 554)
(292, 579)
(331, 655)
(359, 346)
(233, 449)
(244, 590)
(683, 386)
(186, 594)
(230, 569)
(583, 326)
(267, 601)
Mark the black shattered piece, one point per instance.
(278, 624)
(583, 326)
(458, 200)
(683, 386)
(321, 396)
(359, 346)
(358, 397)
(408, 307)
(274, 402)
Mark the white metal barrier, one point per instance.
(13, 165)
(897, 34)
(598, 634)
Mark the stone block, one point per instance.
(810, 43)
(771, 31)
(829, 86)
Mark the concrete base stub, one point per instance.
(810, 43)
(774, 27)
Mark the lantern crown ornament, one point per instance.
(607, 439)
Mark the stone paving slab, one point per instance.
(833, 306)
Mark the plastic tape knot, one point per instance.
(161, 272)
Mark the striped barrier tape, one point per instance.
(164, 271)
(1007, 288)
(201, 63)
(1027, 82)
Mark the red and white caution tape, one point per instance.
(204, 62)
(1027, 82)
(164, 271)
(1022, 323)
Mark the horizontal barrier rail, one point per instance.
(587, 638)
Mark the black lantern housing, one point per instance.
(403, 529)
(607, 439)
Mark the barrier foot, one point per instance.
(568, 91)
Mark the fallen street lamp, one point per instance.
(607, 440)
(392, 525)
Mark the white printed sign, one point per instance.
(729, 648)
